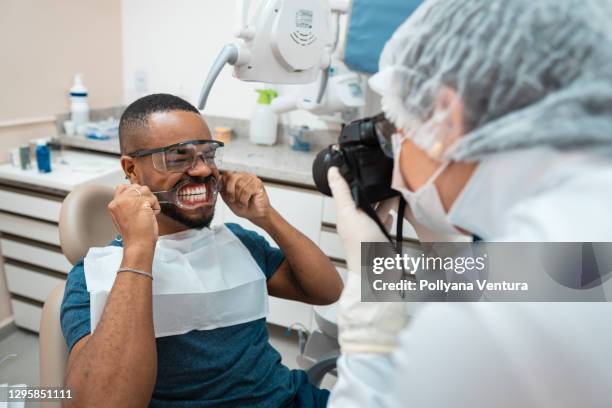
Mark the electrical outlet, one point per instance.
(141, 85)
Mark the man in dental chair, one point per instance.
(172, 312)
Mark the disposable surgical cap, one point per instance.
(526, 72)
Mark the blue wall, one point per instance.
(372, 24)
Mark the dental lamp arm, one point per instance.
(285, 103)
(323, 84)
(229, 55)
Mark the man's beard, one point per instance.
(175, 213)
(200, 219)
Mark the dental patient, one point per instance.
(172, 313)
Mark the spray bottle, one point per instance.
(264, 121)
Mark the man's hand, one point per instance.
(133, 210)
(246, 196)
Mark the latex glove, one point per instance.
(363, 327)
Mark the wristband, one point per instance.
(148, 275)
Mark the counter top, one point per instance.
(274, 163)
(69, 169)
(278, 162)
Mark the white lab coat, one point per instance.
(498, 355)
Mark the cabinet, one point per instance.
(29, 241)
(30, 204)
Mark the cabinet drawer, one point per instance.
(285, 312)
(331, 244)
(32, 206)
(26, 315)
(32, 284)
(35, 255)
(29, 228)
(329, 210)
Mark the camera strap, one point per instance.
(364, 204)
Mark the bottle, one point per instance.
(79, 109)
(223, 134)
(264, 121)
(43, 157)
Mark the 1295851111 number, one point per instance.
(34, 394)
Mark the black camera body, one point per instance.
(361, 161)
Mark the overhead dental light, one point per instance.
(278, 41)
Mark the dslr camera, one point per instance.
(364, 157)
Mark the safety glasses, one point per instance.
(180, 157)
(384, 130)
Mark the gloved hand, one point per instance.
(363, 327)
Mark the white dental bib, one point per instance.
(203, 280)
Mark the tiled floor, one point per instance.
(22, 347)
(20, 354)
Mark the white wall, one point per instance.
(41, 48)
(175, 43)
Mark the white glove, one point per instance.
(364, 327)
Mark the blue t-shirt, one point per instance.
(231, 366)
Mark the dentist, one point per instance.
(503, 111)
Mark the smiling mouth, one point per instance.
(194, 194)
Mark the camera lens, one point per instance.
(324, 160)
(319, 171)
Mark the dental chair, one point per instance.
(84, 223)
(320, 351)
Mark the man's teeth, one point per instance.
(193, 194)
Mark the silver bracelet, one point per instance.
(148, 275)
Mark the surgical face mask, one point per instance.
(425, 202)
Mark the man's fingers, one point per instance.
(120, 189)
(229, 186)
(151, 202)
(135, 190)
(245, 192)
(147, 198)
(154, 202)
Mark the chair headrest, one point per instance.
(85, 221)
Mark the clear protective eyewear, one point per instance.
(180, 157)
